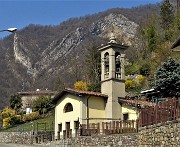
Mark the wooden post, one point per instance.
(113, 127)
(103, 128)
(117, 126)
(174, 109)
(120, 126)
(137, 122)
(156, 117)
(98, 127)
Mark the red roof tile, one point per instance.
(140, 102)
(77, 92)
(86, 92)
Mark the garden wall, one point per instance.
(16, 137)
(102, 140)
(163, 134)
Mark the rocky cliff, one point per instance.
(38, 56)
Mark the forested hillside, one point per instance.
(54, 57)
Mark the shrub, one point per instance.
(80, 85)
(140, 79)
(16, 102)
(30, 116)
(145, 69)
(43, 105)
(130, 83)
(16, 119)
(131, 69)
(6, 122)
(96, 87)
(7, 112)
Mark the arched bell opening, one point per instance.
(106, 65)
(117, 65)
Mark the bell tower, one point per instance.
(112, 75)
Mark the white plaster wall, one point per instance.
(62, 118)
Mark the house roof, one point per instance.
(40, 92)
(137, 102)
(78, 93)
(176, 43)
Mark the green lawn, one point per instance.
(42, 124)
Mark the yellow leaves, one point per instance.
(140, 79)
(9, 117)
(30, 116)
(7, 112)
(6, 122)
(130, 83)
(80, 85)
(134, 82)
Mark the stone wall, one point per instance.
(16, 137)
(163, 134)
(116, 140)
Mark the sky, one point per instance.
(20, 13)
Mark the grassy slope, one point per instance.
(41, 124)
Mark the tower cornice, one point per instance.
(109, 45)
(113, 79)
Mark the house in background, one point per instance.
(28, 97)
(84, 107)
(176, 45)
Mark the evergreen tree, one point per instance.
(151, 35)
(16, 102)
(168, 78)
(166, 14)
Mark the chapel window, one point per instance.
(125, 116)
(68, 107)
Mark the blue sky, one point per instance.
(21, 13)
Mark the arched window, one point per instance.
(68, 107)
(118, 65)
(106, 65)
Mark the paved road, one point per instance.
(20, 145)
(12, 145)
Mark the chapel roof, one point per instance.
(78, 93)
(137, 102)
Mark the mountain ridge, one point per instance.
(34, 56)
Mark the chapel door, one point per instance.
(68, 129)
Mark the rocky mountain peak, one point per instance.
(39, 54)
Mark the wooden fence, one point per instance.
(111, 127)
(162, 112)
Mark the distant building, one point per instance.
(176, 44)
(28, 97)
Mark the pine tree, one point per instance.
(167, 15)
(16, 102)
(168, 78)
(151, 35)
